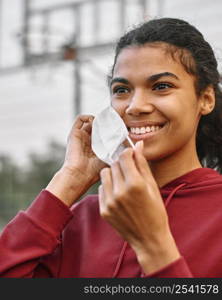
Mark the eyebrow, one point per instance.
(118, 79)
(163, 74)
(151, 78)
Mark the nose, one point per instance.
(140, 103)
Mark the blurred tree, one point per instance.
(19, 186)
(11, 179)
(42, 167)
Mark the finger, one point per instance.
(79, 123)
(128, 166)
(87, 127)
(140, 160)
(117, 178)
(102, 205)
(81, 119)
(107, 185)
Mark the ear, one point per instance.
(207, 100)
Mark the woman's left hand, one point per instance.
(130, 201)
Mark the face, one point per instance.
(156, 99)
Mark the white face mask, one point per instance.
(108, 134)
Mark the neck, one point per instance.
(173, 166)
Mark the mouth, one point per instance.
(145, 132)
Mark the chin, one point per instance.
(154, 156)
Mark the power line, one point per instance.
(73, 51)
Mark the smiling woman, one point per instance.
(186, 46)
(156, 93)
(152, 217)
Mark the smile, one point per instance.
(144, 132)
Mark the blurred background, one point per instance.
(55, 56)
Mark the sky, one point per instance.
(37, 104)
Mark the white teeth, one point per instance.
(137, 130)
(142, 130)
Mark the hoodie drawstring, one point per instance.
(173, 193)
(123, 250)
(119, 262)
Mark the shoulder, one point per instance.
(86, 208)
(205, 178)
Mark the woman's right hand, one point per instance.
(81, 167)
(79, 155)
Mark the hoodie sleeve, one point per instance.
(176, 269)
(31, 235)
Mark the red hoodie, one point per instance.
(51, 240)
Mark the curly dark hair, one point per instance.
(197, 57)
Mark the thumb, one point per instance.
(139, 147)
(141, 162)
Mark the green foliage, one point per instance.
(20, 185)
(42, 167)
(10, 183)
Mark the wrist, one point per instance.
(158, 254)
(69, 185)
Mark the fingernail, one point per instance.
(139, 145)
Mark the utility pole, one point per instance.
(25, 34)
(77, 64)
(1, 31)
(73, 51)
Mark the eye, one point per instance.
(162, 86)
(120, 90)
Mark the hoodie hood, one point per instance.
(196, 179)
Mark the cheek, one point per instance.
(119, 106)
(178, 112)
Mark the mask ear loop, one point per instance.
(130, 142)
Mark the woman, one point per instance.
(159, 208)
